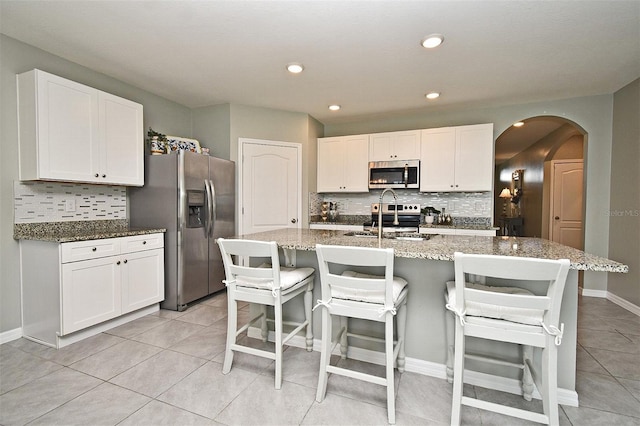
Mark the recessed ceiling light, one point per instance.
(334, 107)
(433, 40)
(518, 124)
(295, 68)
(432, 95)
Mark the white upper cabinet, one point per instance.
(343, 164)
(394, 146)
(457, 159)
(72, 132)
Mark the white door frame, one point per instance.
(241, 144)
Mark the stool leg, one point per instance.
(549, 381)
(308, 295)
(458, 375)
(264, 329)
(527, 378)
(402, 328)
(344, 342)
(388, 344)
(325, 355)
(449, 330)
(232, 326)
(278, 328)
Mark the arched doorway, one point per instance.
(525, 161)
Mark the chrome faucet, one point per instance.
(395, 212)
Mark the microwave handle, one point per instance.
(406, 175)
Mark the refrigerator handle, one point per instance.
(214, 208)
(207, 230)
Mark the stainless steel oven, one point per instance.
(394, 174)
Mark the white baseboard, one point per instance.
(431, 369)
(623, 303)
(635, 309)
(594, 293)
(10, 335)
(16, 333)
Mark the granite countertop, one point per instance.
(442, 247)
(64, 232)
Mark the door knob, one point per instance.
(557, 218)
(294, 220)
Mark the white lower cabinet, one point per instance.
(70, 287)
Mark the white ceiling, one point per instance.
(363, 55)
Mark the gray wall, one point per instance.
(624, 219)
(594, 114)
(159, 113)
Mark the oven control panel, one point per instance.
(405, 209)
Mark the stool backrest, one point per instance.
(233, 250)
(553, 272)
(332, 260)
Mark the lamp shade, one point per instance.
(506, 193)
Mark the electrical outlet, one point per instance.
(70, 205)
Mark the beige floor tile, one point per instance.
(116, 359)
(105, 405)
(207, 391)
(286, 406)
(18, 368)
(603, 392)
(158, 373)
(157, 413)
(167, 335)
(44, 394)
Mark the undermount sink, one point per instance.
(407, 236)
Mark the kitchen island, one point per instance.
(427, 265)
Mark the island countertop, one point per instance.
(443, 247)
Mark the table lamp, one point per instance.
(506, 193)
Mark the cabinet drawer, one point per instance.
(142, 242)
(85, 250)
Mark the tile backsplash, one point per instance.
(467, 204)
(62, 202)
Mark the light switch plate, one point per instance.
(70, 205)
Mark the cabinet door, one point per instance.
(66, 131)
(121, 141)
(380, 148)
(406, 145)
(394, 146)
(474, 158)
(142, 279)
(437, 157)
(330, 164)
(356, 166)
(90, 293)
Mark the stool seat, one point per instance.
(289, 277)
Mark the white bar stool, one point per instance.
(352, 294)
(508, 314)
(269, 285)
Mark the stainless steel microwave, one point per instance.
(394, 174)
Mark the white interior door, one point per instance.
(566, 203)
(271, 185)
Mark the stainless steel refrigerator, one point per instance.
(193, 197)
